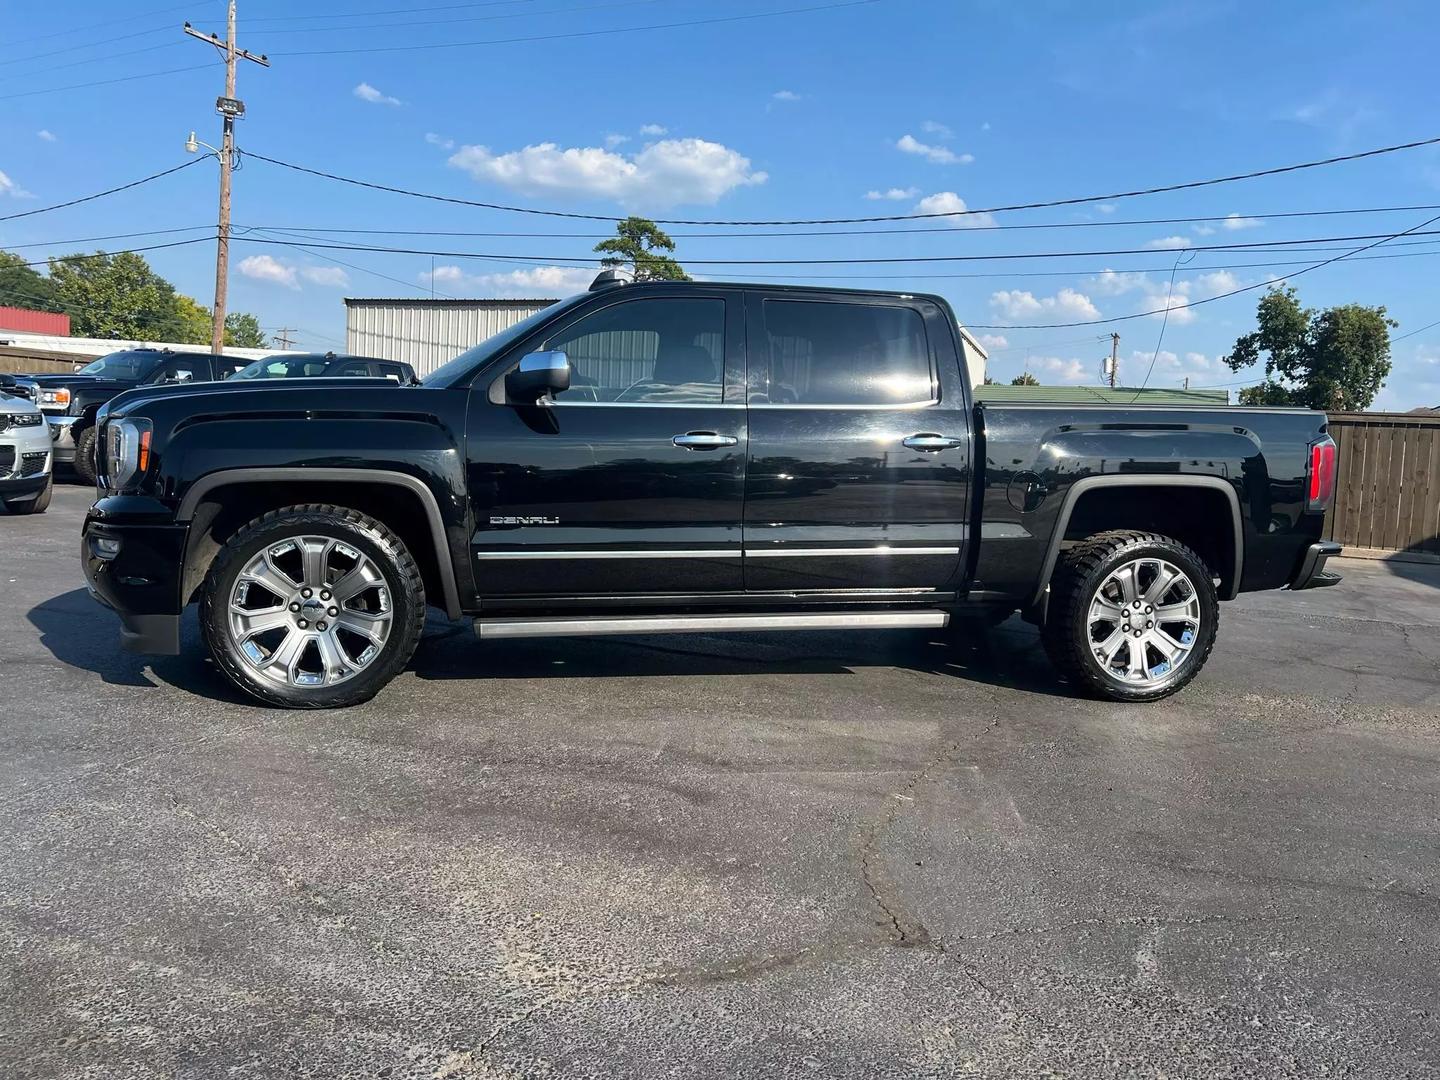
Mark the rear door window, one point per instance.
(824, 353)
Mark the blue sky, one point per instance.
(927, 104)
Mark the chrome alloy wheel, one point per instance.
(309, 611)
(1144, 621)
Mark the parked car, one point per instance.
(25, 455)
(71, 402)
(327, 365)
(673, 457)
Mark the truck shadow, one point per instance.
(1006, 656)
(81, 634)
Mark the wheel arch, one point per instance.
(1232, 547)
(284, 486)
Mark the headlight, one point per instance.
(59, 398)
(9, 420)
(127, 452)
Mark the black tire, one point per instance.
(85, 454)
(37, 504)
(359, 531)
(1081, 571)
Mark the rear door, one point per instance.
(633, 481)
(859, 465)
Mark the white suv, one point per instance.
(25, 453)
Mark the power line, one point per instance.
(111, 236)
(1218, 296)
(86, 45)
(584, 33)
(1075, 201)
(104, 82)
(1417, 330)
(100, 25)
(101, 194)
(589, 259)
(423, 23)
(944, 230)
(1164, 322)
(367, 270)
(122, 251)
(388, 11)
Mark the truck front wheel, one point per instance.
(1133, 615)
(313, 607)
(85, 454)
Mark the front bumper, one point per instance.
(134, 569)
(20, 448)
(62, 437)
(1312, 573)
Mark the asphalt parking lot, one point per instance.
(838, 855)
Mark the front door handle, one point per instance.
(931, 442)
(703, 440)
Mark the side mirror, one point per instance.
(539, 374)
(7, 382)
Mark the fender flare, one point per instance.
(1091, 483)
(225, 477)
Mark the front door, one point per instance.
(859, 467)
(632, 482)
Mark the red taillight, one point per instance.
(1322, 474)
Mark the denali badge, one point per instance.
(504, 520)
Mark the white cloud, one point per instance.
(1106, 208)
(947, 202)
(1020, 304)
(1221, 281)
(1054, 368)
(994, 341)
(1235, 221)
(45, 134)
(1203, 230)
(1170, 242)
(934, 127)
(529, 282)
(1116, 282)
(441, 141)
(11, 188)
(613, 140)
(366, 92)
(786, 95)
(662, 174)
(893, 194)
(653, 129)
(265, 268)
(1170, 368)
(936, 155)
(333, 276)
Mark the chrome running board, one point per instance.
(579, 626)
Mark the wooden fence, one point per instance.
(1387, 492)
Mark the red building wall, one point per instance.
(34, 322)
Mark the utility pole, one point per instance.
(230, 108)
(1114, 357)
(282, 336)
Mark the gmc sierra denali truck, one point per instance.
(670, 457)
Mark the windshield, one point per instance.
(126, 366)
(281, 369)
(478, 354)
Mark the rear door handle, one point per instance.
(931, 442)
(703, 440)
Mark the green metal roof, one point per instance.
(1100, 395)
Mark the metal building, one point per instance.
(426, 333)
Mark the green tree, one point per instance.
(636, 242)
(1024, 379)
(116, 296)
(25, 287)
(243, 330)
(1332, 359)
(193, 321)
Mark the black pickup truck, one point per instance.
(680, 457)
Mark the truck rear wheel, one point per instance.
(85, 454)
(1133, 615)
(313, 607)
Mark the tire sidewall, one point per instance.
(85, 454)
(385, 550)
(1086, 587)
